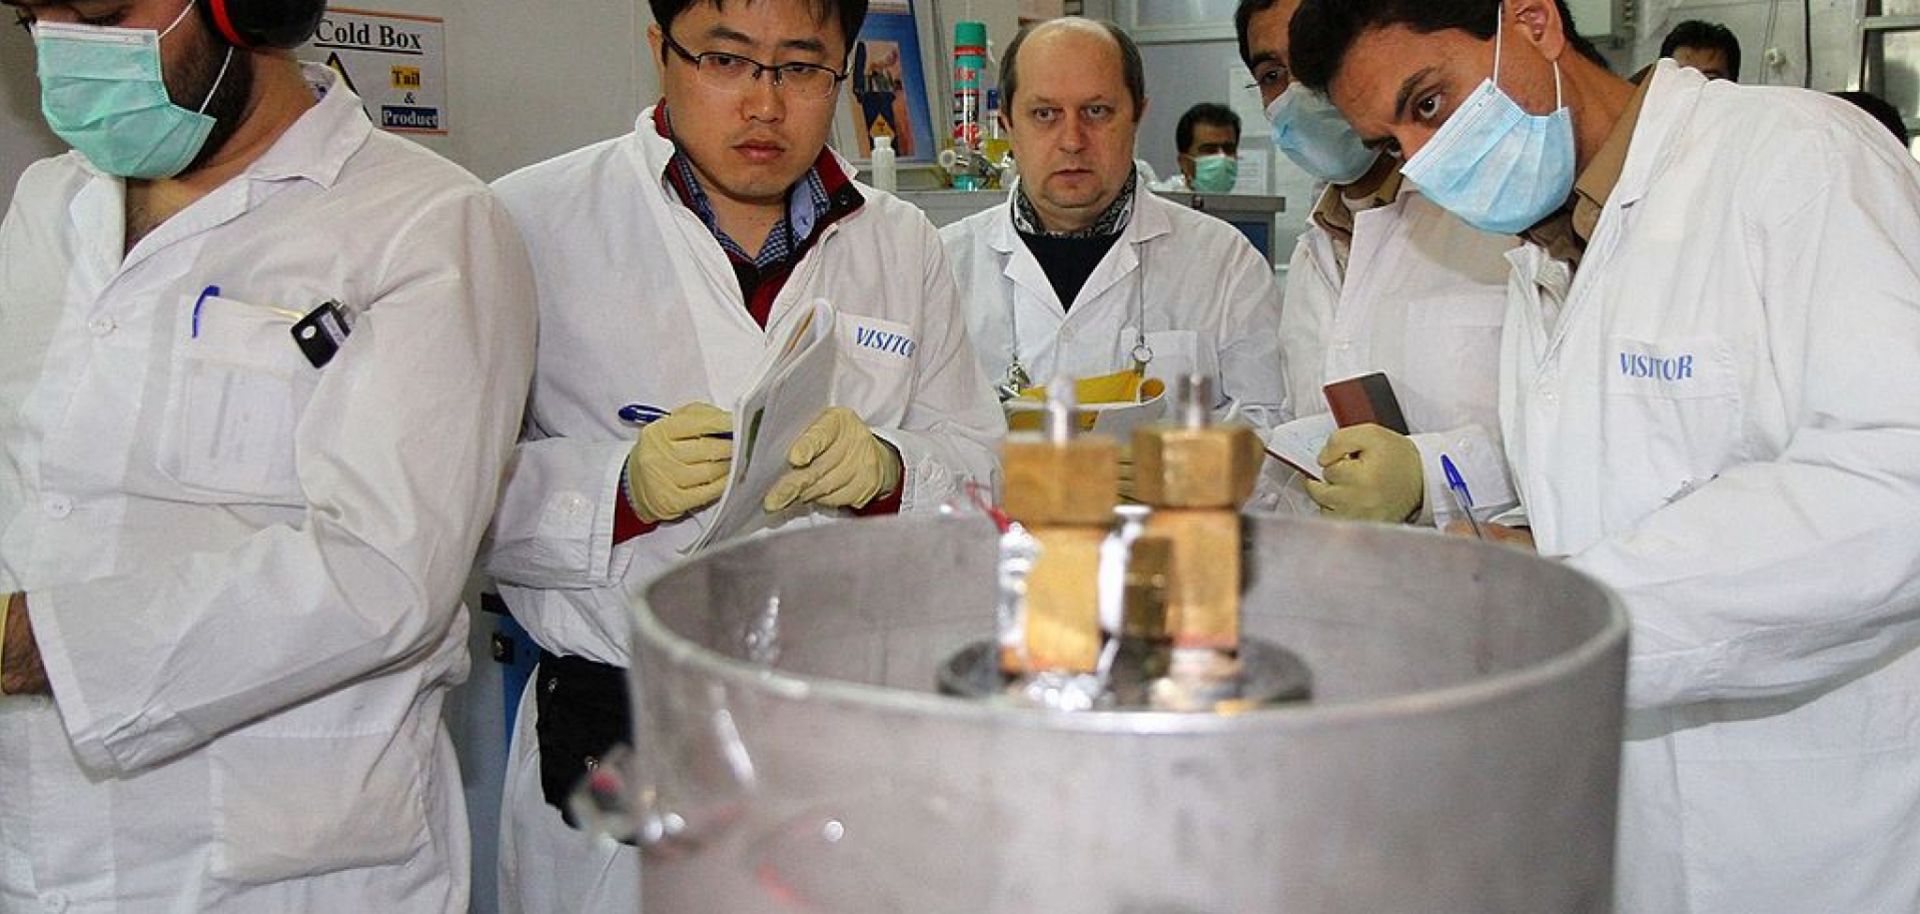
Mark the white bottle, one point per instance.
(885, 175)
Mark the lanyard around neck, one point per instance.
(1017, 378)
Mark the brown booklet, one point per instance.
(1367, 398)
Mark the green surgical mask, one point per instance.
(102, 91)
(1215, 174)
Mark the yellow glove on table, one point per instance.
(678, 465)
(837, 462)
(1372, 473)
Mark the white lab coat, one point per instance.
(244, 573)
(639, 303)
(1723, 424)
(1422, 300)
(1211, 304)
(1173, 183)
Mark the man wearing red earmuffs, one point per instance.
(261, 369)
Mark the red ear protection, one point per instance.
(264, 23)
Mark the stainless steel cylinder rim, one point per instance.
(1490, 689)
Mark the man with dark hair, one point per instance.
(1329, 30)
(1084, 272)
(1707, 399)
(261, 369)
(1207, 142)
(1382, 280)
(1708, 47)
(671, 261)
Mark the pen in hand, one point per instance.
(1462, 499)
(642, 414)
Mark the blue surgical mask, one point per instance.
(1312, 132)
(1496, 167)
(1215, 174)
(102, 91)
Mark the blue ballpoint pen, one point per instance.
(1462, 499)
(642, 414)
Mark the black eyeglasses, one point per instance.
(733, 72)
(1271, 79)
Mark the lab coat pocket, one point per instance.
(1176, 353)
(1672, 410)
(1452, 352)
(874, 368)
(240, 386)
(286, 807)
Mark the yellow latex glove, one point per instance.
(837, 462)
(1372, 473)
(1118, 387)
(678, 465)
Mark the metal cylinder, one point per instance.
(1460, 754)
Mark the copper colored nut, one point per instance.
(1203, 586)
(1063, 600)
(1212, 467)
(1073, 483)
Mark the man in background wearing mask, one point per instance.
(1083, 272)
(261, 368)
(671, 260)
(1708, 398)
(1208, 141)
(1383, 280)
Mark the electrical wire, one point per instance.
(1806, 58)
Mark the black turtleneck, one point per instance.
(1068, 261)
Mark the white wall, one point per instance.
(23, 134)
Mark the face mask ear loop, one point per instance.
(227, 62)
(1499, 30)
(1558, 101)
(177, 20)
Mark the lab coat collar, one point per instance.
(1149, 219)
(319, 144)
(1671, 94)
(1001, 236)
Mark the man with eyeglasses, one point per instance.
(662, 258)
(1382, 280)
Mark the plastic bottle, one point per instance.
(969, 70)
(995, 146)
(886, 175)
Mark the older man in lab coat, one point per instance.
(668, 261)
(261, 368)
(1085, 272)
(1707, 391)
